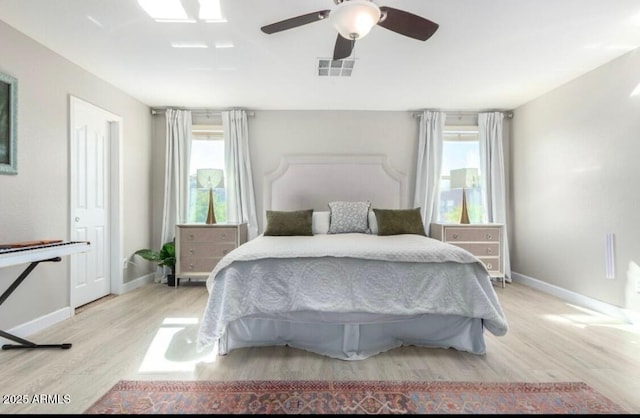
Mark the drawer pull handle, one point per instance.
(489, 236)
(190, 266)
(190, 236)
(224, 236)
(190, 250)
(489, 250)
(489, 266)
(455, 236)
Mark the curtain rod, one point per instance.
(162, 110)
(508, 114)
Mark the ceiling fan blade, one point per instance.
(294, 22)
(407, 24)
(343, 47)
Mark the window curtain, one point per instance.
(490, 126)
(241, 204)
(176, 174)
(429, 163)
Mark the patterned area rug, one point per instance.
(337, 397)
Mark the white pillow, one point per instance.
(373, 222)
(320, 222)
(346, 217)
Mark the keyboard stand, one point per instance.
(34, 255)
(22, 343)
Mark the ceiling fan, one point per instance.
(353, 19)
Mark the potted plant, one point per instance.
(166, 257)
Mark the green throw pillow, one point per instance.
(399, 221)
(288, 223)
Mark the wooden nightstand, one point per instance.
(482, 240)
(199, 247)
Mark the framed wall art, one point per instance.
(8, 124)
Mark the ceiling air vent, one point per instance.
(328, 67)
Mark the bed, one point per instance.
(346, 270)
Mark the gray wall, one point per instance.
(575, 178)
(34, 204)
(273, 134)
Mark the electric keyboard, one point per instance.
(13, 254)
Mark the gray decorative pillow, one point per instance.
(348, 217)
(399, 221)
(288, 223)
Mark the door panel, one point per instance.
(90, 278)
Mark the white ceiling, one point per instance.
(487, 54)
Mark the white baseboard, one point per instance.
(37, 325)
(45, 321)
(139, 282)
(578, 299)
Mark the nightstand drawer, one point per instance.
(480, 249)
(453, 234)
(492, 264)
(209, 235)
(205, 249)
(198, 264)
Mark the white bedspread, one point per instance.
(392, 275)
(407, 248)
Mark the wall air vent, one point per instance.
(328, 67)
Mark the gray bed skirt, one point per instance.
(353, 336)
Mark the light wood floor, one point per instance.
(149, 334)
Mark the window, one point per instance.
(207, 152)
(460, 170)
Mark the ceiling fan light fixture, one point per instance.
(353, 19)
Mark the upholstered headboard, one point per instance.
(311, 181)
